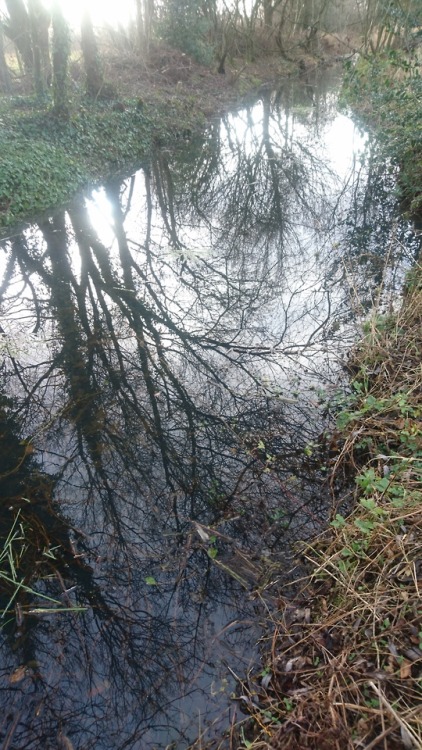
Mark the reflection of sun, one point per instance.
(102, 11)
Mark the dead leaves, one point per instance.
(18, 675)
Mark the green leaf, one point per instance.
(365, 526)
(338, 521)
(150, 581)
(382, 484)
(368, 503)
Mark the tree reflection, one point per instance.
(145, 396)
(256, 186)
(113, 674)
(379, 244)
(154, 341)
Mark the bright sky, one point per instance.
(103, 11)
(110, 11)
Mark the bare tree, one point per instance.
(27, 25)
(61, 51)
(17, 27)
(94, 77)
(5, 80)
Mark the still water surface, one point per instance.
(168, 344)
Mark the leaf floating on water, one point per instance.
(33, 664)
(202, 534)
(99, 689)
(266, 680)
(19, 614)
(406, 738)
(64, 742)
(18, 675)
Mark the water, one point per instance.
(169, 342)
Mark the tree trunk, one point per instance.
(39, 22)
(5, 82)
(144, 16)
(61, 52)
(307, 14)
(268, 12)
(223, 53)
(140, 28)
(93, 70)
(17, 28)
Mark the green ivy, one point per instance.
(45, 159)
(385, 90)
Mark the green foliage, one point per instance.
(33, 176)
(386, 91)
(357, 406)
(212, 549)
(185, 27)
(338, 522)
(13, 552)
(44, 160)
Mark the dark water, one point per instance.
(168, 343)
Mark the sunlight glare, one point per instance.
(102, 11)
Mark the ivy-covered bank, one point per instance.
(44, 159)
(385, 91)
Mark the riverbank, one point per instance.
(345, 661)
(45, 160)
(346, 654)
(385, 91)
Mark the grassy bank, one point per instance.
(346, 656)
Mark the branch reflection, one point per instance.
(163, 342)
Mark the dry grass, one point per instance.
(345, 669)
